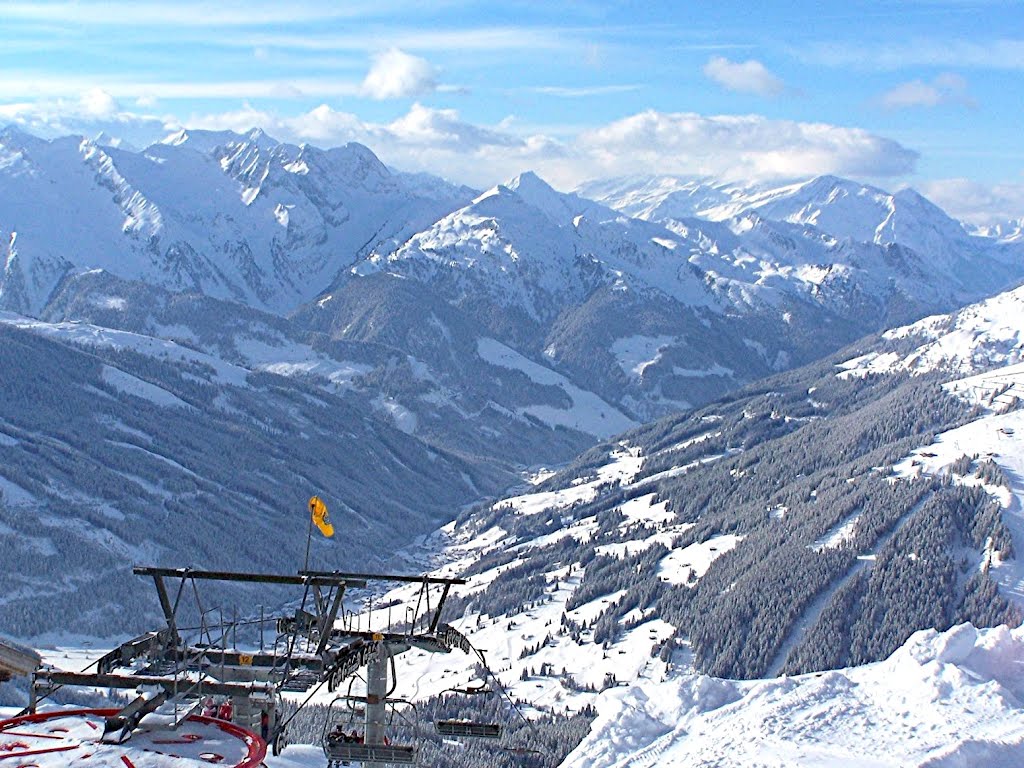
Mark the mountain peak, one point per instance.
(528, 180)
(207, 141)
(14, 134)
(534, 191)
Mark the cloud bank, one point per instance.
(440, 141)
(980, 204)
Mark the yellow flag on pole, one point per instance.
(320, 519)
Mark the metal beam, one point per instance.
(440, 606)
(212, 687)
(382, 577)
(307, 577)
(327, 624)
(257, 660)
(165, 605)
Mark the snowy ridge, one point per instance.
(1011, 231)
(844, 210)
(989, 333)
(528, 246)
(244, 218)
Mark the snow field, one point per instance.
(983, 335)
(623, 468)
(588, 412)
(685, 566)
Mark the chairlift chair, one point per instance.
(468, 729)
(341, 749)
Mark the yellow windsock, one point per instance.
(320, 519)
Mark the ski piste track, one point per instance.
(73, 737)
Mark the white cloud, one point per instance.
(442, 142)
(749, 76)
(741, 146)
(946, 88)
(94, 111)
(396, 74)
(99, 103)
(974, 202)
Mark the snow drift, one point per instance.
(943, 699)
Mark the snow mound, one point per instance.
(946, 699)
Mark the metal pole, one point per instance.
(309, 537)
(376, 706)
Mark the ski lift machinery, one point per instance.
(372, 747)
(175, 670)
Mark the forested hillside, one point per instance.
(782, 529)
(131, 451)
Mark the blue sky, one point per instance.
(925, 92)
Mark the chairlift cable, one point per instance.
(504, 692)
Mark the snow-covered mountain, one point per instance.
(983, 336)
(625, 306)
(839, 207)
(811, 522)
(637, 316)
(238, 217)
(1010, 231)
(659, 198)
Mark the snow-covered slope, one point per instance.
(589, 587)
(980, 336)
(943, 699)
(239, 217)
(535, 250)
(792, 497)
